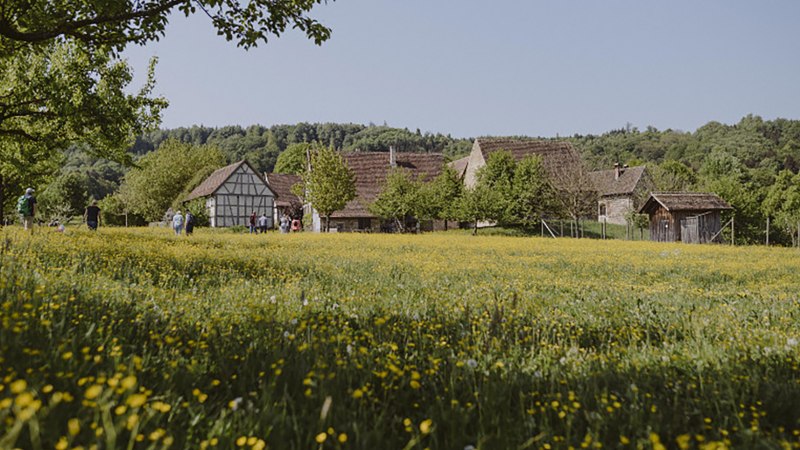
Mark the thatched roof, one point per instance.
(560, 159)
(607, 183)
(371, 169)
(214, 181)
(460, 165)
(684, 201)
(281, 184)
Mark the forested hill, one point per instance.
(756, 144)
(766, 145)
(261, 145)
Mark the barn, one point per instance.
(370, 170)
(691, 217)
(560, 159)
(232, 193)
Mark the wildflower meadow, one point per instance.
(139, 339)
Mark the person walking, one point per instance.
(253, 222)
(177, 223)
(92, 216)
(26, 207)
(189, 223)
(262, 223)
(284, 223)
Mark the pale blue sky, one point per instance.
(500, 67)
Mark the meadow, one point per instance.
(138, 339)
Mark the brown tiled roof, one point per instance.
(281, 184)
(370, 170)
(560, 159)
(684, 201)
(606, 183)
(214, 181)
(460, 165)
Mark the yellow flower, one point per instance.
(425, 426)
(74, 426)
(321, 437)
(18, 386)
(136, 400)
(94, 391)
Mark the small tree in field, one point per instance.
(328, 184)
(399, 199)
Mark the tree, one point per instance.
(498, 176)
(782, 202)
(441, 196)
(328, 184)
(293, 159)
(161, 176)
(532, 194)
(58, 94)
(115, 24)
(478, 205)
(65, 197)
(576, 196)
(673, 175)
(399, 199)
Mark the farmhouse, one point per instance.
(286, 202)
(370, 170)
(619, 191)
(560, 159)
(690, 217)
(232, 193)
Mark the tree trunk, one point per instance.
(327, 223)
(2, 201)
(767, 231)
(475, 228)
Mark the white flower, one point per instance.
(235, 403)
(791, 342)
(272, 299)
(471, 363)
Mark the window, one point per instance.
(602, 209)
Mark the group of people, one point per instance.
(258, 224)
(26, 208)
(288, 223)
(179, 222)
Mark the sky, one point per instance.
(503, 67)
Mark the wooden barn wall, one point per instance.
(662, 226)
(665, 226)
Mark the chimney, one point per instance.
(392, 158)
(616, 171)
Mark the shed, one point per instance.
(691, 217)
(232, 193)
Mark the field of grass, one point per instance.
(140, 339)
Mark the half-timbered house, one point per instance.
(233, 193)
